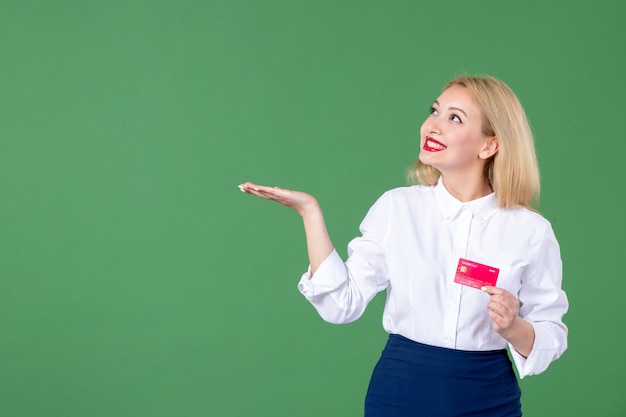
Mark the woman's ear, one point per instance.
(490, 148)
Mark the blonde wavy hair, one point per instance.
(513, 172)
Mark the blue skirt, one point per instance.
(413, 379)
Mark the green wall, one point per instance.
(136, 280)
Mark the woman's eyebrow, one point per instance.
(459, 110)
(453, 108)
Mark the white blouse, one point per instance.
(412, 239)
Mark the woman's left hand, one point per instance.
(503, 309)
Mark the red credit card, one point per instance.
(475, 275)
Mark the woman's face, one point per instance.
(451, 138)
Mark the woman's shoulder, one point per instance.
(402, 201)
(407, 197)
(410, 191)
(529, 218)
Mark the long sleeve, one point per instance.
(544, 305)
(341, 291)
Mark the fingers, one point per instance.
(248, 187)
(303, 203)
(292, 199)
(501, 316)
(503, 308)
(500, 298)
(260, 190)
(493, 290)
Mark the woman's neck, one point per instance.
(466, 189)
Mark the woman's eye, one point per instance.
(433, 111)
(455, 118)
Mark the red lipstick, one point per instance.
(433, 145)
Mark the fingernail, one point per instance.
(241, 188)
(483, 288)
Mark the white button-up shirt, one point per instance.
(411, 243)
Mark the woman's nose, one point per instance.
(431, 125)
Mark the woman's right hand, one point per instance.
(301, 202)
(319, 246)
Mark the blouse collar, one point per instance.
(482, 208)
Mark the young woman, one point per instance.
(468, 266)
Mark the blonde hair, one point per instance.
(513, 172)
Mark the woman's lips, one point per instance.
(433, 145)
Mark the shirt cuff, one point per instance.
(330, 275)
(543, 353)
